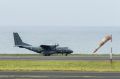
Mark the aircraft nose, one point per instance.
(71, 51)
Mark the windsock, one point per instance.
(103, 41)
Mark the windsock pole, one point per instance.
(111, 58)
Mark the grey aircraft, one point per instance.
(46, 50)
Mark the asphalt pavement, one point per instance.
(92, 58)
(58, 75)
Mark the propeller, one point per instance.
(56, 44)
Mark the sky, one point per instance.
(52, 18)
(21, 13)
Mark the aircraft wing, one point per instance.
(46, 47)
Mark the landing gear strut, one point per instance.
(66, 54)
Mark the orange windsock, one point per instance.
(102, 42)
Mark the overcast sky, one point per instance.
(59, 21)
(59, 13)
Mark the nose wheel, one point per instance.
(46, 54)
(66, 54)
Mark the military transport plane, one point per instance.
(46, 50)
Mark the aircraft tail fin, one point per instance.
(18, 41)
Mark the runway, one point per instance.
(58, 75)
(92, 58)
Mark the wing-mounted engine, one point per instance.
(49, 47)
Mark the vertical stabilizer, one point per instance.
(18, 41)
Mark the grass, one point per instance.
(30, 65)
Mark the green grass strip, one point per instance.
(29, 65)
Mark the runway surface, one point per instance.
(58, 58)
(58, 75)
